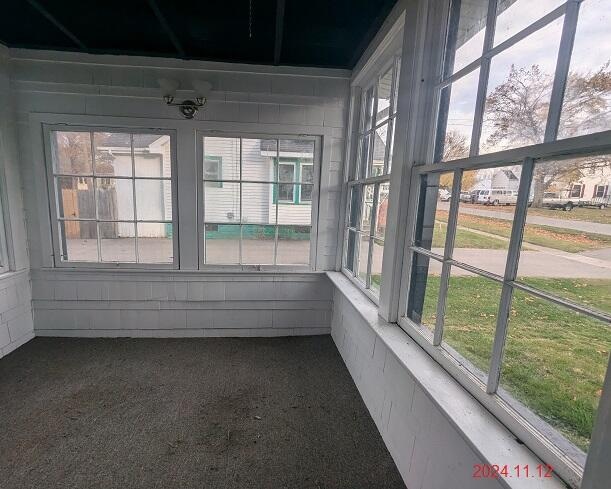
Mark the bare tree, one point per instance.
(516, 115)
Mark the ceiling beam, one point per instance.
(279, 30)
(45, 13)
(166, 27)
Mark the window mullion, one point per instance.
(482, 87)
(131, 137)
(95, 196)
(447, 255)
(511, 270)
(563, 64)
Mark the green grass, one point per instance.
(562, 239)
(466, 239)
(555, 359)
(602, 216)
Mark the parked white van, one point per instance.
(497, 197)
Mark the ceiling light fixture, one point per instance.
(188, 108)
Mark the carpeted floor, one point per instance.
(186, 413)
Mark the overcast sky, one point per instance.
(592, 50)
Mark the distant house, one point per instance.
(590, 187)
(501, 180)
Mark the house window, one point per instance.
(212, 170)
(248, 220)
(576, 190)
(600, 191)
(503, 299)
(369, 179)
(113, 197)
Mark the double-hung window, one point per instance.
(369, 181)
(507, 297)
(260, 212)
(113, 196)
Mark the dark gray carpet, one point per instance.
(186, 413)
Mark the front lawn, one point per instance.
(555, 359)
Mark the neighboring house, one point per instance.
(500, 179)
(291, 198)
(589, 189)
(115, 196)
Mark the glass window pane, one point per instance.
(435, 195)
(363, 156)
(305, 194)
(465, 33)
(153, 200)
(117, 241)
(512, 16)
(367, 208)
(286, 171)
(155, 243)
(519, 90)
(71, 152)
(259, 157)
(222, 244)
(424, 291)
(382, 210)
(78, 241)
(367, 110)
(470, 318)
(226, 151)
(221, 203)
(383, 95)
(75, 197)
(376, 265)
(113, 154)
(258, 203)
(485, 217)
(115, 199)
(307, 173)
(350, 249)
(390, 143)
(567, 237)
(363, 257)
(354, 200)
(293, 245)
(396, 86)
(380, 137)
(586, 107)
(258, 243)
(152, 156)
(456, 112)
(555, 362)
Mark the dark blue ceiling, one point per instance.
(324, 33)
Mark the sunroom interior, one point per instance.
(305, 244)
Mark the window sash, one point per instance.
(53, 202)
(274, 181)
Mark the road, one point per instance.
(585, 226)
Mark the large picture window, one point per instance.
(113, 196)
(369, 181)
(261, 211)
(508, 282)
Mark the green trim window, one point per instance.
(213, 171)
(295, 177)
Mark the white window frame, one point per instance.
(201, 134)
(354, 175)
(52, 203)
(528, 430)
(4, 256)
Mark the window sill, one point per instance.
(482, 431)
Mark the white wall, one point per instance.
(245, 99)
(434, 430)
(15, 299)
(108, 303)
